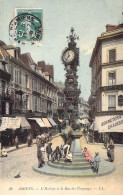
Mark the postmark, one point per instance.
(26, 26)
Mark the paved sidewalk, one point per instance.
(13, 148)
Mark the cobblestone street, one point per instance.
(23, 159)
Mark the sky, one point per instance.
(88, 17)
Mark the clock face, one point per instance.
(68, 56)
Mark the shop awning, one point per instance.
(46, 122)
(14, 123)
(4, 124)
(24, 123)
(39, 121)
(52, 122)
(110, 123)
(60, 120)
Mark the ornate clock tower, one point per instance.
(70, 58)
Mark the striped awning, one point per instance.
(46, 122)
(39, 121)
(52, 122)
(60, 120)
(24, 123)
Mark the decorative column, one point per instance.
(70, 59)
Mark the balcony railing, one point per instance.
(113, 87)
(5, 75)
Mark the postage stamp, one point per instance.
(27, 25)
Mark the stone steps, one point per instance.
(70, 166)
(71, 163)
(104, 169)
(75, 160)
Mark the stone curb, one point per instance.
(76, 176)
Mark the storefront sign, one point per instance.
(14, 123)
(111, 123)
(4, 124)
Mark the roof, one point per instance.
(41, 65)
(2, 43)
(46, 68)
(27, 59)
(46, 73)
(115, 33)
(8, 47)
(4, 54)
(49, 68)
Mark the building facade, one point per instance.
(60, 99)
(27, 88)
(83, 108)
(5, 100)
(106, 98)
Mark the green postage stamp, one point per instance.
(27, 25)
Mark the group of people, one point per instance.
(52, 155)
(93, 162)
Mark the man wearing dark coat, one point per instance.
(49, 151)
(56, 154)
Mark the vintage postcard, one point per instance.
(61, 97)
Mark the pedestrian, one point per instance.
(43, 154)
(43, 137)
(95, 165)
(40, 156)
(29, 140)
(87, 155)
(69, 157)
(108, 150)
(49, 151)
(56, 154)
(3, 152)
(66, 148)
(111, 150)
(16, 142)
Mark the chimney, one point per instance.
(18, 50)
(110, 27)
